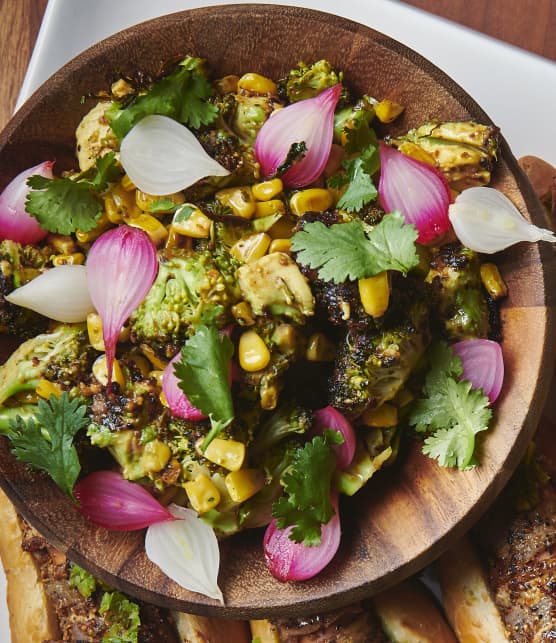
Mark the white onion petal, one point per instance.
(186, 550)
(161, 156)
(485, 220)
(60, 293)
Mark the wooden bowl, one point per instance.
(405, 517)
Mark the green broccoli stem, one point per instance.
(7, 415)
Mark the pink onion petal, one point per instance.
(288, 560)
(110, 501)
(310, 121)
(186, 550)
(178, 403)
(15, 222)
(330, 418)
(483, 365)
(420, 192)
(121, 267)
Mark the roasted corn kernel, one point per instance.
(243, 314)
(268, 208)
(262, 630)
(251, 248)
(239, 199)
(375, 294)
(253, 352)
(229, 454)
(257, 84)
(311, 200)
(320, 348)
(102, 225)
(153, 357)
(387, 111)
(121, 88)
(94, 330)
(62, 244)
(202, 493)
(384, 415)
(267, 190)
(280, 245)
(155, 456)
(158, 204)
(283, 228)
(492, 281)
(74, 259)
(100, 371)
(190, 221)
(244, 483)
(415, 152)
(46, 388)
(127, 184)
(152, 226)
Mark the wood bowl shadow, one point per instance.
(405, 517)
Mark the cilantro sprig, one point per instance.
(353, 251)
(64, 205)
(182, 95)
(46, 442)
(203, 376)
(451, 413)
(306, 504)
(361, 189)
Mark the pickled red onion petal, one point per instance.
(330, 418)
(483, 365)
(178, 403)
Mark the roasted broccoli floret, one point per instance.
(307, 81)
(63, 356)
(19, 264)
(458, 300)
(373, 364)
(289, 419)
(464, 152)
(190, 289)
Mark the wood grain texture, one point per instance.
(408, 515)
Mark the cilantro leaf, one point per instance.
(361, 189)
(451, 413)
(203, 377)
(306, 504)
(182, 95)
(351, 251)
(65, 205)
(46, 442)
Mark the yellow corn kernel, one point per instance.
(257, 84)
(202, 493)
(101, 373)
(153, 357)
(267, 190)
(287, 338)
(311, 200)
(88, 237)
(158, 204)
(251, 248)
(253, 352)
(243, 314)
(280, 245)
(140, 362)
(387, 111)
(127, 184)
(415, 152)
(156, 375)
(384, 415)
(227, 84)
(156, 230)
(283, 228)
(74, 259)
(269, 397)
(244, 483)
(121, 88)
(492, 281)
(94, 330)
(262, 630)
(239, 199)
(375, 294)
(111, 210)
(62, 244)
(155, 456)
(229, 454)
(45, 389)
(268, 208)
(190, 221)
(320, 348)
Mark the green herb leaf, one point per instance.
(306, 504)
(122, 617)
(351, 251)
(451, 413)
(65, 205)
(182, 95)
(203, 376)
(47, 442)
(361, 189)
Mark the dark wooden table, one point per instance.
(530, 24)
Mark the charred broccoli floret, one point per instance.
(289, 419)
(373, 365)
(458, 299)
(190, 289)
(464, 152)
(63, 356)
(18, 265)
(307, 81)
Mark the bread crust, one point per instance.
(32, 619)
(466, 597)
